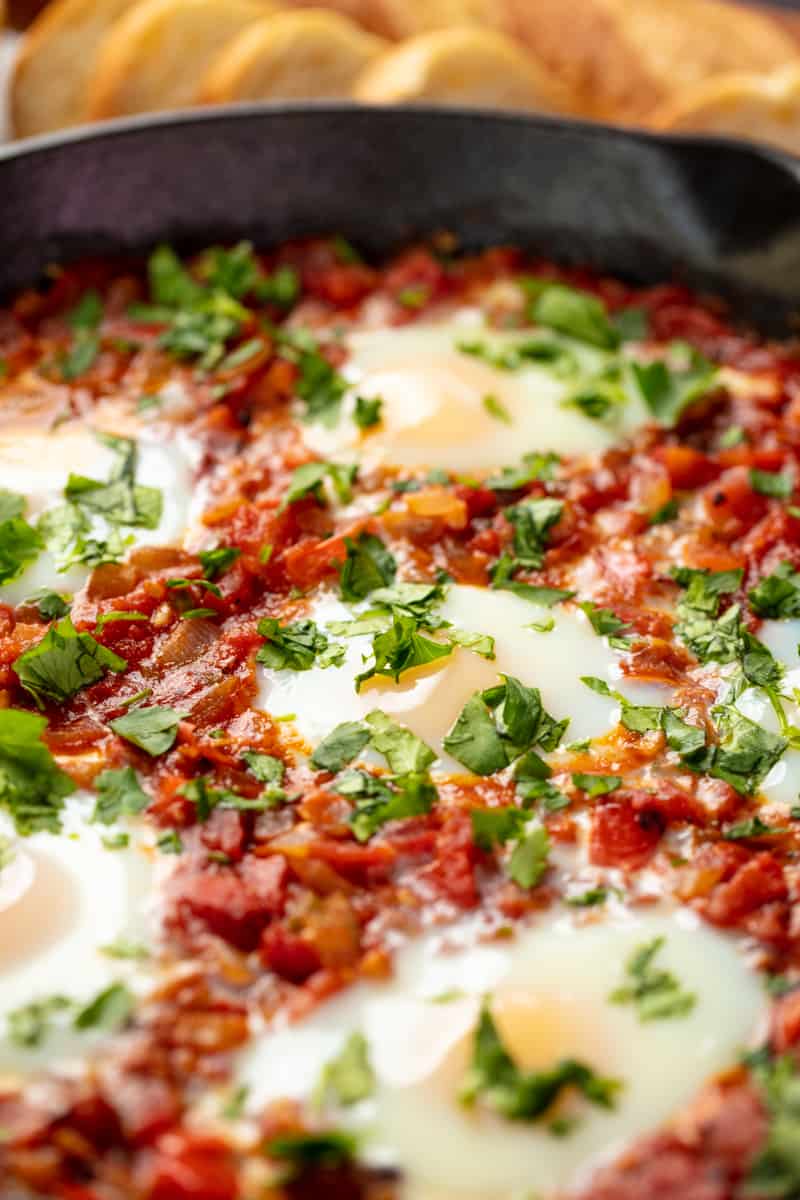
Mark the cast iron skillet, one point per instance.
(720, 214)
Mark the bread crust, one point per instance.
(625, 58)
(464, 65)
(154, 57)
(55, 63)
(302, 54)
(758, 108)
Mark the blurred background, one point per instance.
(709, 66)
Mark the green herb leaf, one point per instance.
(767, 483)
(216, 562)
(32, 786)
(572, 312)
(534, 467)
(50, 605)
(308, 480)
(498, 725)
(63, 663)
(596, 785)
(152, 729)
(348, 1077)
(109, 1010)
(304, 1151)
(367, 411)
(341, 746)
(656, 994)
(532, 521)
(298, 646)
(405, 753)
(668, 392)
(369, 565)
(777, 596)
(494, 1077)
(119, 794)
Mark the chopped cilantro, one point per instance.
(606, 623)
(109, 618)
(32, 785)
(496, 726)
(169, 842)
(20, 543)
(596, 785)
(768, 483)
(319, 386)
(348, 1077)
(746, 753)
(400, 648)
(152, 729)
(752, 827)
(308, 480)
(669, 392)
(369, 565)
(119, 794)
(297, 646)
(108, 1010)
(656, 993)
(63, 663)
(50, 605)
(496, 409)
(775, 1171)
(532, 521)
(340, 746)
(377, 801)
(541, 467)
(367, 411)
(29, 1025)
(494, 1078)
(304, 1151)
(588, 899)
(403, 750)
(216, 562)
(777, 596)
(577, 314)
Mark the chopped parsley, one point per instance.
(152, 729)
(656, 994)
(63, 663)
(494, 1078)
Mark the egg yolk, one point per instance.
(538, 1033)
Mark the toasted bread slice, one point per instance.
(155, 56)
(761, 108)
(51, 76)
(624, 58)
(397, 19)
(466, 65)
(305, 54)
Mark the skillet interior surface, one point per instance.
(719, 214)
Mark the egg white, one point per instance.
(782, 785)
(36, 464)
(433, 395)
(63, 897)
(558, 973)
(428, 700)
